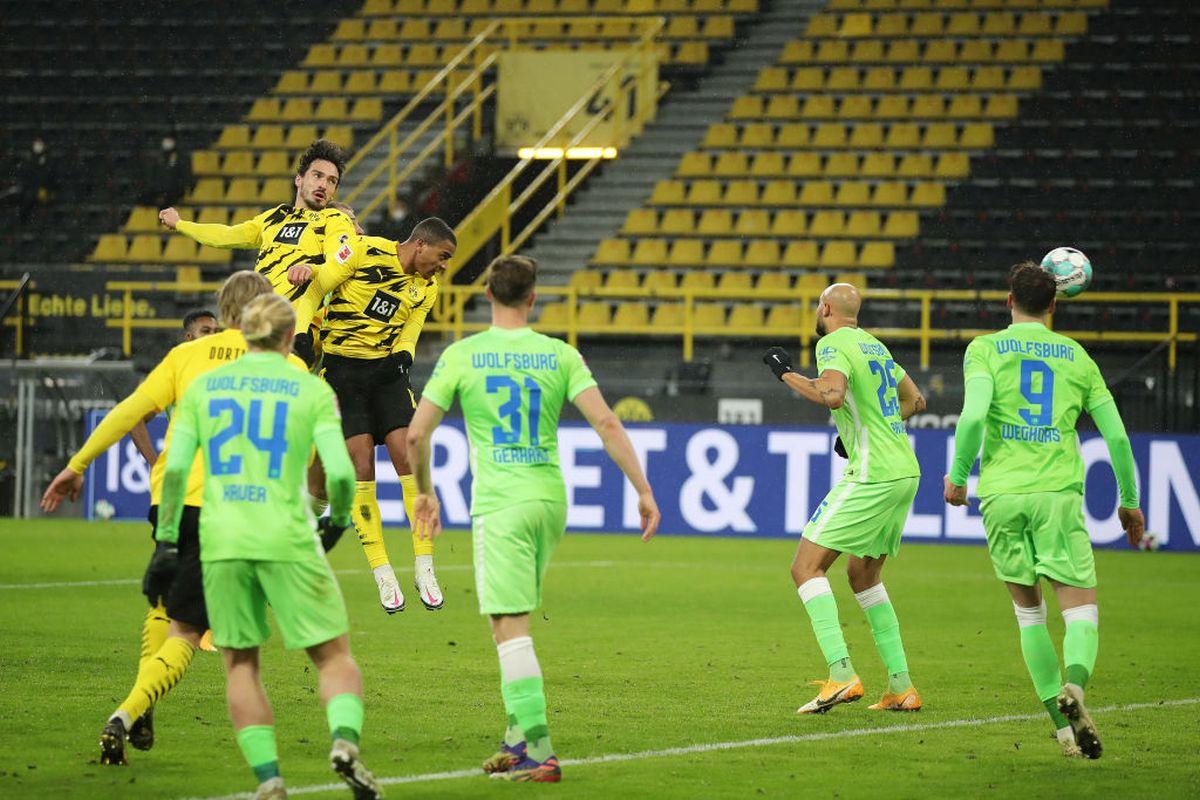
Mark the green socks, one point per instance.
(524, 697)
(1081, 642)
(818, 601)
(885, 628)
(257, 743)
(1040, 659)
(344, 713)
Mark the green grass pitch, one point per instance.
(678, 643)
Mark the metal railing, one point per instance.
(16, 301)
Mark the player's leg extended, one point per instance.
(369, 524)
(253, 721)
(811, 563)
(341, 691)
(866, 580)
(1080, 645)
(531, 757)
(428, 589)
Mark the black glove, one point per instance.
(160, 572)
(303, 347)
(330, 532)
(404, 361)
(839, 448)
(779, 360)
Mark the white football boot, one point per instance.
(343, 759)
(390, 596)
(427, 584)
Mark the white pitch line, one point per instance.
(738, 745)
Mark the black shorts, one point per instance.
(185, 599)
(374, 395)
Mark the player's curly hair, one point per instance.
(322, 150)
(267, 320)
(236, 293)
(511, 279)
(1032, 288)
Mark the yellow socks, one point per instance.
(157, 675)
(154, 633)
(408, 484)
(365, 514)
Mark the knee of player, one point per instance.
(801, 572)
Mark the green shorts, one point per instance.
(303, 595)
(512, 550)
(1039, 534)
(863, 519)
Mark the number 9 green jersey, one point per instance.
(1041, 381)
(869, 421)
(512, 384)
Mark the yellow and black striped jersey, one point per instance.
(284, 237)
(379, 309)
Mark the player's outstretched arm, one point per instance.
(116, 423)
(911, 399)
(828, 390)
(1108, 421)
(428, 416)
(616, 443)
(968, 437)
(141, 440)
(244, 235)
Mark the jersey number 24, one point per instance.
(250, 424)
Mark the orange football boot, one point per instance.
(832, 692)
(909, 700)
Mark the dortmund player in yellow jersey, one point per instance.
(172, 584)
(296, 241)
(368, 338)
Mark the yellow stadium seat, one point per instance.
(366, 109)
(734, 282)
(677, 221)
(878, 165)
(816, 193)
(789, 222)
(295, 109)
(658, 280)
(879, 79)
(110, 247)
(640, 221)
(731, 164)
(999, 23)
(1047, 50)
(687, 252)
(892, 108)
(768, 165)
(233, 136)
(208, 190)
(798, 255)
(813, 282)
(350, 29)
(757, 135)
(977, 136)
(329, 81)
(298, 137)
(631, 315)
(777, 281)
(412, 30)
(292, 82)
(1024, 79)
(900, 225)
(771, 79)
(916, 79)
(952, 166)
(621, 279)
(374, 8)
(213, 215)
(269, 137)
(783, 106)
(817, 106)
(205, 162)
(389, 55)
(962, 25)
(241, 190)
(386, 30)
(890, 26)
(682, 27)
(697, 279)
(708, 317)
(792, 135)
(725, 253)
(903, 136)
(1001, 106)
(612, 251)
(181, 249)
(353, 55)
(975, 51)
(740, 193)
(903, 51)
(867, 135)
(864, 224)
(926, 25)
(746, 107)
(877, 255)
(320, 55)
(142, 219)
(889, 193)
(783, 317)
(341, 135)
(987, 79)
(668, 193)
(761, 253)
(805, 165)
(1071, 23)
(586, 279)
(808, 79)
(854, 26)
(952, 79)
(423, 55)
(927, 106)
(237, 162)
(715, 222)
(837, 255)
(753, 222)
(778, 193)
(553, 316)
(722, 134)
(938, 136)
(694, 165)
(915, 165)
(211, 255)
(822, 25)
(856, 279)
(450, 30)
(827, 224)
(147, 247)
(745, 316)
(928, 195)
(264, 109)
(704, 193)
(832, 51)
(650, 252)
(853, 193)
(395, 82)
(593, 315)
(842, 79)
(841, 165)
(867, 51)
(828, 136)
(667, 316)
(692, 53)
(797, 52)
(965, 106)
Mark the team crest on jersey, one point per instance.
(291, 232)
(343, 254)
(414, 292)
(826, 352)
(382, 306)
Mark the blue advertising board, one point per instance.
(735, 480)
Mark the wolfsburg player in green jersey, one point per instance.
(863, 515)
(512, 383)
(1025, 388)
(257, 420)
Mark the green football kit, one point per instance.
(512, 384)
(865, 512)
(1025, 389)
(256, 421)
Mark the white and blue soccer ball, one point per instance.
(104, 509)
(1071, 269)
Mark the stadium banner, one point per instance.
(735, 480)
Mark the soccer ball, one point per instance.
(1071, 269)
(104, 509)
(1149, 542)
